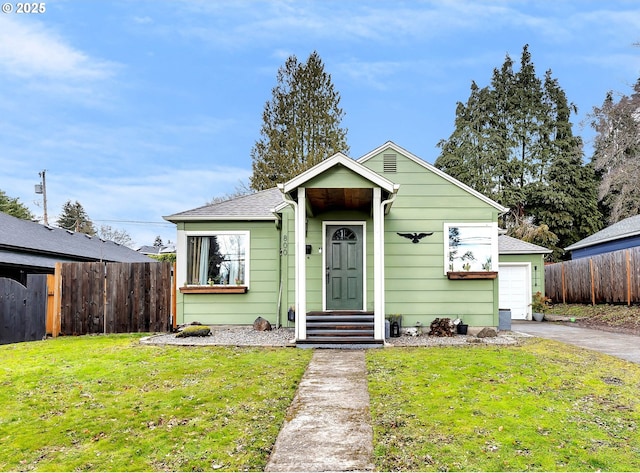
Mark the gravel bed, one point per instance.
(283, 337)
(230, 336)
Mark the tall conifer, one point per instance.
(301, 124)
(513, 141)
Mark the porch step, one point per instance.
(340, 327)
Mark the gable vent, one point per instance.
(389, 163)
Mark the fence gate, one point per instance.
(23, 310)
(114, 297)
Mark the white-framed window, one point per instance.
(217, 258)
(470, 247)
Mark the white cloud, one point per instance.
(31, 50)
(143, 20)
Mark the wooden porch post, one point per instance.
(378, 264)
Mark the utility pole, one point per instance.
(42, 189)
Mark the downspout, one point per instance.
(294, 204)
(279, 305)
(390, 199)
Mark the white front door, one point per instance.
(515, 289)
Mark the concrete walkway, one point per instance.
(328, 425)
(626, 347)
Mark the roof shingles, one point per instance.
(26, 237)
(247, 207)
(623, 229)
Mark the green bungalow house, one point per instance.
(342, 246)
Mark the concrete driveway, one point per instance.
(626, 347)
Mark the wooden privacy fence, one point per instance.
(610, 278)
(23, 309)
(112, 298)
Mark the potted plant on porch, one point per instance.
(539, 305)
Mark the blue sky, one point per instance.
(139, 109)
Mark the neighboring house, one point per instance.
(341, 246)
(30, 248)
(619, 236)
(521, 274)
(156, 250)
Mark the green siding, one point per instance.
(337, 178)
(416, 285)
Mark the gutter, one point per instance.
(390, 200)
(294, 204)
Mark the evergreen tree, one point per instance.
(74, 217)
(617, 154)
(14, 207)
(513, 142)
(565, 195)
(473, 140)
(301, 124)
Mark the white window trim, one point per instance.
(182, 251)
(494, 241)
(359, 223)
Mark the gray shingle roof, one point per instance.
(623, 229)
(512, 246)
(258, 206)
(43, 245)
(156, 250)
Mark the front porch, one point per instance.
(341, 272)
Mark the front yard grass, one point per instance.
(107, 403)
(541, 406)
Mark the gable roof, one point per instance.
(27, 243)
(264, 205)
(339, 159)
(626, 228)
(512, 246)
(258, 206)
(433, 169)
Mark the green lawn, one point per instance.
(542, 406)
(107, 403)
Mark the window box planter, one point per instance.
(472, 274)
(214, 289)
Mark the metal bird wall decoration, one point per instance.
(415, 237)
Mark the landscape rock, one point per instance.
(261, 325)
(487, 332)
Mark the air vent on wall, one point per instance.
(389, 164)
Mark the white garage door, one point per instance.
(514, 287)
